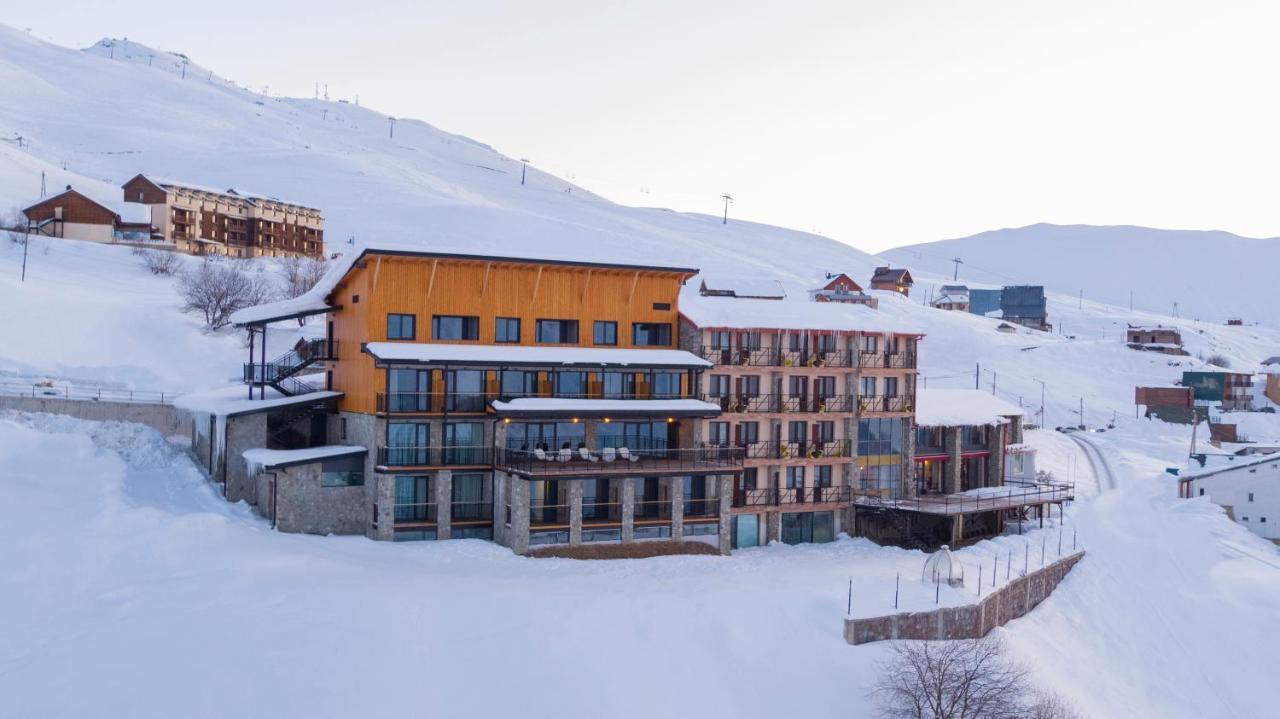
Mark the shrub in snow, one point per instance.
(1218, 361)
(217, 288)
(159, 262)
(966, 679)
(300, 274)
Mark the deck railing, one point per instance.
(995, 498)
(773, 497)
(619, 460)
(776, 357)
(779, 403)
(451, 456)
(419, 512)
(798, 450)
(881, 403)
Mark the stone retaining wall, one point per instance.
(161, 417)
(970, 621)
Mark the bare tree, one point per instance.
(300, 274)
(967, 679)
(159, 262)
(15, 225)
(1219, 361)
(217, 288)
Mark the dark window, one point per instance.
(718, 433)
(748, 433)
(453, 327)
(618, 385)
(651, 334)
(718, 385)
(401, 327)
(571, 384)
(518, 383)
(506, 329)
(606, 332)
(342, 472)
(557, 331)
(355, 299)
(665, 385)
(822, 475)
(662, 305)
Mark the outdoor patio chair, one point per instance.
(609, 454)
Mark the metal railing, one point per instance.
(880, 403)
(477, 402)
(618, 460)
(995, 498)
(702, 507)
(655, 510)
(778, 403)
(468, 456)
(418, 512)
(798, 450)
(94, 394)
(887, 360)
(545, 514)
(481, 511)
(291, 362)
(773, 497)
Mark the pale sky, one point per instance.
(876, 123)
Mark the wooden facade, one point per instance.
(427, 286)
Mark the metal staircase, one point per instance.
(281, 373)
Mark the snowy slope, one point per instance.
(1210, 275)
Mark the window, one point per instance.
(650, 334)
(822, 475)
(401, 327)
(1202, 491)
(718, 385)
(453, 327)
(415, 499)
(749, 340)
(571, 384)
(749, 478)
(663, 306)
(748, 433)
(472, 500)
(464, 443)
(606, 332)
(719, 340)
(890, 386)
(1251, 496)
(750, 386)
(824, 431)
(466, 390)
(795, 477)
(342, 472)
(408, 443)
(410, 390)
(867, 386)
(506, 329)
(718, 433)
(797, 431)
(869, 343)
(518, 383)
(879, 437)
(618, 385)
(557, 331)
(666, 385)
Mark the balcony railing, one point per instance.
(798, 450)
(735, 404)
(291, 362)
(988, 499)
(701, 507)
(887, 360)
(619, 461)
(776, 357)
(477, 402)
(879, 403)
(775, 497)
(422, 512)
(481, 511)
(465, 456)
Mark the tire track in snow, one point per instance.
(1097, 463)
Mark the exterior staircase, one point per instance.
(281, 373)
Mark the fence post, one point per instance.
(1059, 541)
(1008, 564)
(1026, 558)
(995, 567)
(849, 607)
(897, 580)
(1042, 542)
(979, 579)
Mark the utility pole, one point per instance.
(391, 129)
(956, 275)
(26, 243)
(184, 68)
(1082, 411)
(993, 383)
(1130, 300)
(1081, 299)
(727, 199)
(42, 190)
(524, 165)
(1041, 401)
(977, 374)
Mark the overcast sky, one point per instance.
(876, 123)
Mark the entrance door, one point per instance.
(746, 531)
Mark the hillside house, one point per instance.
(1232, 390)
(74, 215)
(203, 221)
(984, 301)
(1169, 403)
(953, 298)
(1247, 487)
(818, 397)
(894, 280)
(842, 288)
(1155, 338)
(1025, 305)
(526, 401)
(1271, 371)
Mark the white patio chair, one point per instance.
(609, 454)
(565, 455)
(586, 455)
(625, 453)
(540, 455)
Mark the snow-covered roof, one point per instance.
(961, 407)
(541, 356)
(1271, 369)
(273, 458)
(234, 400)
(1228, 462)
(229, 192)
(758, 287)
(1272, 361)
(951, 299)
(739, 313)
(1018, 448)
(655, 407)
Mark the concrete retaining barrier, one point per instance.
(161, 417)
(970, 621)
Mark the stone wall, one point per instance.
(161, 417)
(248, 431)
(302, 505)
(969, 621)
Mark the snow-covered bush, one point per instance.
(159, 262)
(1218, 361)
(217, 288)
(966, 679)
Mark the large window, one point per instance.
(410, 390)
(618, 385)
(822, 475)
(638, 436)
(571, 384)
(795, 477)
(867, 387)
(651, 334)
(805, 527)
(519, 383)
(718, 385)
(466, 390)
(408, 443)
(472, 498)
(606, 332)
(415, 499)
(401, 327)
(464, 443)
(506, 329)
(700, 497)
(557, 331)
(665, 385)
(748, 433)
(879, 436)
(454, 327)
(342, 472)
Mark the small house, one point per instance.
(842, 288)
(1233, 390)
(1025, 305)
(1271, 368)
(1154, 338)
(1247, 487)
(74, 215)
(742, 287)
(953, 298)
(895, 280)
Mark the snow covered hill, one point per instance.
(1210, 275)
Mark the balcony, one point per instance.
(887, 360)
(478, 402)
(790, 496)
(416, 513)
(777, 403)
(879, 403)
(798, 450)
(623, 462)
(775, 357)
(435, 456)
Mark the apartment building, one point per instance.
(530, 402)
(204, 221)
(819, 397)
